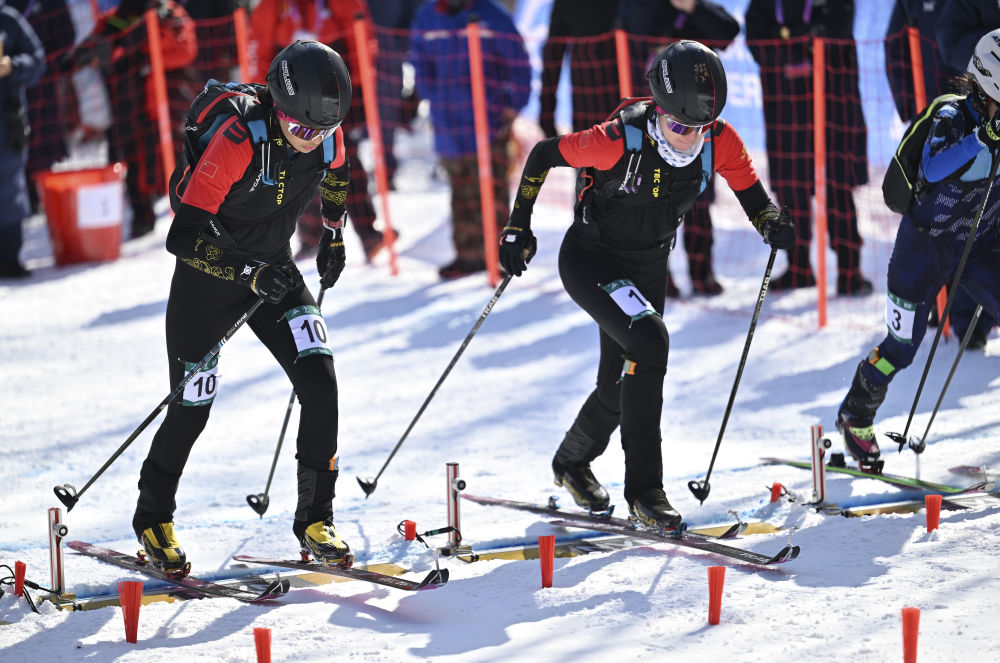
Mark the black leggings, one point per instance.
(587, 270)
(200, 310)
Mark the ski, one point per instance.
(688, 540)
(894, 479)
(552, 509)
(201, 588)
(433, 579)
(982, 473)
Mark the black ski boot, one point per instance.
(163, 550)
(856, 417)
(581, 483)
(652, 509)
(313, 526)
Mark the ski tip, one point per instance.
(787, 554)
(434, 579)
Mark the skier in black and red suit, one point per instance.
(230, 233)
(613, 260)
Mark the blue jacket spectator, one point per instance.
(961, 24)
(439, 52)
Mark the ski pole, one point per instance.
(700, 489)
(901, 438)
(69, 496)
(260, 501)
(951, 374)
(368, 484)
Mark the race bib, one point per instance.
(899, 316)
(308, 330)
(201, 388)
(629, 299)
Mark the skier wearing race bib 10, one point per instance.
(953, 178)
(641, 172)
(263, 155)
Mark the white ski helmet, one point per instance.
(985, 64)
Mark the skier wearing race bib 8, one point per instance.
(641, 172)
(265, 152)
(953, 178)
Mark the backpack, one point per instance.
(215, 104)
(902, 181)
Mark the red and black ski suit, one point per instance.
(613, 263)
(240, 204)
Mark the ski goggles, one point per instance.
(680, 128)
(300, 130)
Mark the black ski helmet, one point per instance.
(309, 81)
(688, 82)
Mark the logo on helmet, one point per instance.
(287, 78)
(664, 72)
(978, 64)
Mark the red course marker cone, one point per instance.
(130, 597)
(409, 530)
(932, 504)
(776, 492)
(716, 578)
(911, 629)
(546, 555)
(262, 640)
(20, 568)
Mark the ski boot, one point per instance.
(652, 509)
(581, 483)
(859, 440)
(321, 541)
(163, 551)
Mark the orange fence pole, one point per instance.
(483, 152)
(819, 171)
(374, 124)
(624, 63)
(920, 103)
(240, 21)
(160, 96)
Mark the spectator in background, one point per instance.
(937, 74)
(580, 29)
(332, 23)
(960, 26)
(120, 47)
(703, 21)
(439, 50)
(778, 35)
(21, 64)
(50, 19)
(203, 9)
(397, 98)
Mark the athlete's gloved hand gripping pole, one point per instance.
(990, 127)
(69, 496)
(778, 231)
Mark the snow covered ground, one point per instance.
(82, 362)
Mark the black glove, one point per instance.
(778, 230)
(271, 282)
(331, 258)
(517, 248)
(989, 132)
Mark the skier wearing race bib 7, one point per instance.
(260, 154)
(641, 172)
(953, 178)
